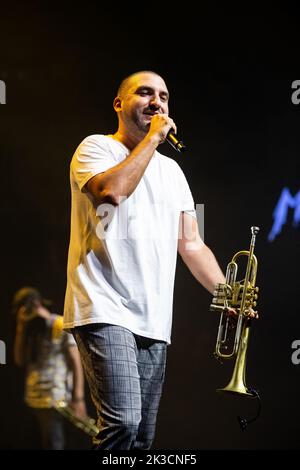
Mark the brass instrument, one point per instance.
(87, 424)
(233, 333)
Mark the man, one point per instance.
(54, 374)
(132, 210)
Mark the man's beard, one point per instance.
(142, 123)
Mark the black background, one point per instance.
(229, 75)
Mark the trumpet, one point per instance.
(233, 333)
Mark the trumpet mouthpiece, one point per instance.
(254, 230)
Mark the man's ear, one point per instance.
(117, 104)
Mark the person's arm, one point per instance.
(78, 400)
(122, 179)
(200, 259)
(24, 317)
(196, 255)
(19, 343)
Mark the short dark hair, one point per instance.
(126, 80)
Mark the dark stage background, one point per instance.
(230, 77)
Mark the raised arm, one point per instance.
(122, 179)
(19, 343)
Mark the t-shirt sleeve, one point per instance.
(92, 156)
(70, 340)
(55, 324)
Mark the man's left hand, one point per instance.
(231, 312)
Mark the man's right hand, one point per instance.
(160, 125)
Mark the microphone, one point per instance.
(175, 142)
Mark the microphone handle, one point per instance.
(175, 142)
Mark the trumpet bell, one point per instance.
(237, 385)
(236, 389)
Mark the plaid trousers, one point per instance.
(125, 373)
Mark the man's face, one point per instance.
(145, 95)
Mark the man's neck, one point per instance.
(127, 140)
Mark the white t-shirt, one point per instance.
(122, 260)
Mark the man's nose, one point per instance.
(155, 102)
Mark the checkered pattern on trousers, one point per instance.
(125, 373)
